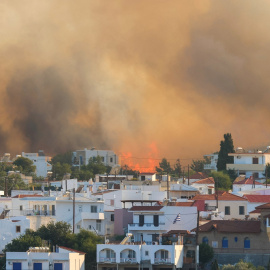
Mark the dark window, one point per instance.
(255, 175)
(255, 160)
(112, 217)
(241, 210)
(37, 266)
(235, 239)
(21, 207)
(225, 242)
(156, 220)
(18, 229)
(246, 243)
(17, 266)
(205, 240)
(141, 220)
(155, 237)
(227, 210)
(93, 209)
(143, 177)
(58, 266)
(111, 159)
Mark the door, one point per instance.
(17, 266)
(58, 266)
(37, 266)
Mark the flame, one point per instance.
(143, 163)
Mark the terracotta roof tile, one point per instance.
(199, 175)
(208, 180)
(180, 203)
(25, 195)
(247, 181)
(222, 196)
(231, 226)
(263, 206)
(258, 198)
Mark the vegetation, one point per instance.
(222, 180)
(226, 147)
(241, 265)
(24, 165)
(206, 254)
(65, 158)
(198, 165)
(60, 234)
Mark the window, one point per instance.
(58, 266)
(17, 266)
(227, 210)
(110, 254)
(80, 208)
(156, 220)
(205, 240)
(164, 254)
(112, 217)
(146, 253)
(21, 207)
(78, 227)
(246, 243)
(131, 254)
(235, 239)
(37, 266)
(89, 227)
(255, 160)
(102, 159)
(18, 229)
(143, 178)
(209, 191)
(111, 159)
(225, 242)
(98, 225)
(112, 202)
(255, 175)
(93, 209)
(241, 210)
(141, 220)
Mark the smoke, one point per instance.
(127, 75)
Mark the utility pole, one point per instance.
(197, 235)
(217, 192)
(188, 174)
(266, 175)
(73, 210)
(168, 194)
(6, 189)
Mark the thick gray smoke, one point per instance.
(133, 76)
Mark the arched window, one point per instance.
(205, 240)
(247, 243)
(225, 242)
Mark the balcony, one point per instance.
(209, 167)
(107, 260)
(86, 215)
(246, 167)
(37, 213)
(163, 261)
(128, 260)
(146, 226)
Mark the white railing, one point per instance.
(107, 260)
(128, 260)
(165, 260)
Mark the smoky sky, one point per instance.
(127, 75)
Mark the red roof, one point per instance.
(145, 208)
(199, 175)
(25, 196)
(180, 203)
(231, 226)
(247, 181)
(147, 173)
(263, 206)
(208, 180)
(73, 250)
(222, 196)
(200, 205)
(258, 198)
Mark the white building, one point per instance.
(38, 258)
(81, 157)
(89, 214)
(213, 164)
(11, 229)
(205, 186)
(40, 161)
(249, 163)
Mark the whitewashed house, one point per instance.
(246, 184)
(212, 166)
(39, 258)
(250, 163)
(11, 229)
(40, 161)
(205, 186)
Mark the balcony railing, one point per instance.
(160, 261)
(128, 260)
(145, 224)
(37, 213)
(107, 260)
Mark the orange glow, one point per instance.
(145, 162)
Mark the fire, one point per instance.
(143, 163)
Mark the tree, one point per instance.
(25, 165)
(65, 158)
(59, 170)
(222, 180)
(96, 166)
(214, 265)
(164, 167)
(226, 147)
(198, 165)
(206, 253)
(177, 168)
